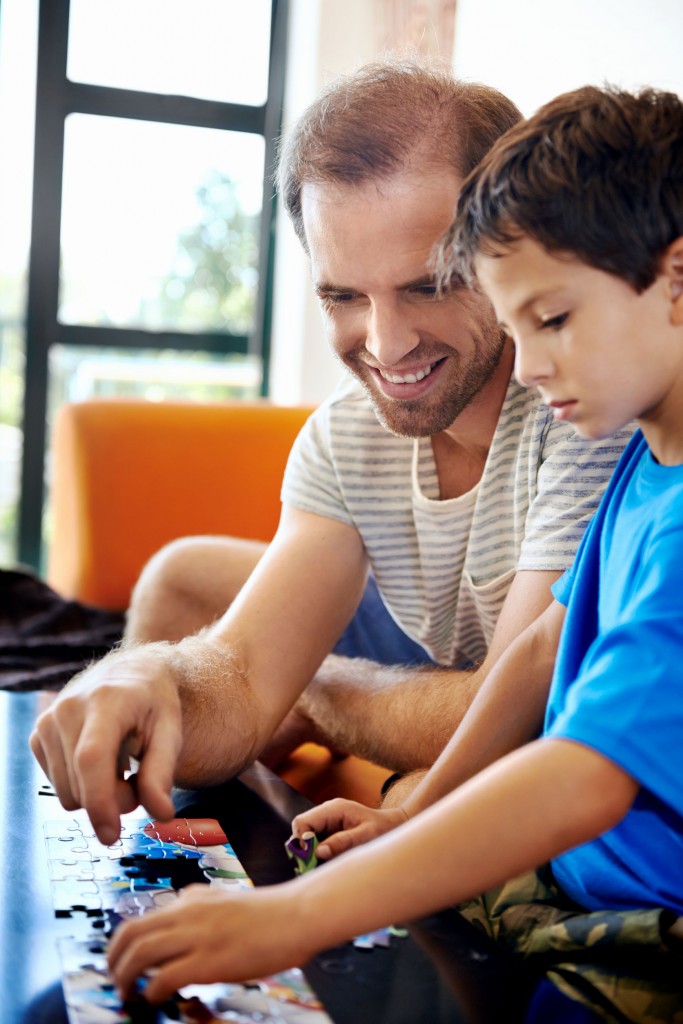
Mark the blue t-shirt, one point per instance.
(618, 682)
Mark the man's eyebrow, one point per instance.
(419, 282)
(326, 288)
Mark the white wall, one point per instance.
(529, 49)
(327, 37)
(534, 49)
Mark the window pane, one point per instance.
(211, 49)
(18, 36)
(160, 225)
(79, 372)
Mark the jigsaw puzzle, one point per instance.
(95, 886)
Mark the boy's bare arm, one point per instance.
(528, 807)
(196, 712)
(402, 718)
(520, 812)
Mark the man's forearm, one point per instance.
(219, 710)
(402, 718)
(398, 717)
(506, 713)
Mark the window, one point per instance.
(152, 210)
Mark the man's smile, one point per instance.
(410, 383)
(408, 377)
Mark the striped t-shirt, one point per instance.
(444, 568)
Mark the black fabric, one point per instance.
(45, 639)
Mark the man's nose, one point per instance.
(389, 335)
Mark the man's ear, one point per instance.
(672, 267)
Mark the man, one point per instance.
(430, 466)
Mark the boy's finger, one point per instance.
(176, 973)
(341, 842)
(331, 816)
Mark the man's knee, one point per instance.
(188, 584)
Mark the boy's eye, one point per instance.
(554, 323)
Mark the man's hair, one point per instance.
(595, 173)
(387, 117)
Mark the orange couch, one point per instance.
(130, 475)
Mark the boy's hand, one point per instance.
(208, 936)
(347, 824)
(126, 705)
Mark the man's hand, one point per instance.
(350, 824)
(125, 705)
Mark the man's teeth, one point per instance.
(410, 378)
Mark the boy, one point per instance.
(573, 226)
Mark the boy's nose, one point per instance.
(389, 336)
(533, 365)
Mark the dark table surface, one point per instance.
(442, 973)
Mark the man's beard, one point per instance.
(424, 417)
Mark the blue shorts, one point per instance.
(373, 634)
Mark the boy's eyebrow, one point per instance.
(543, 293)
(525, 307)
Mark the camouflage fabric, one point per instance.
(618, 963)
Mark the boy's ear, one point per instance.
(672, 267)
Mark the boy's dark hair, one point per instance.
(387, 117)
(597, 173)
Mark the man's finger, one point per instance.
(157, 766)
(47, 748)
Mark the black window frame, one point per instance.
(57, 97)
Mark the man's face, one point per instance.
(600, 354)
(420, 357)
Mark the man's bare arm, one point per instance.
(506, 713)
(402, 718)
(198, 711)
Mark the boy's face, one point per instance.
(600, 354)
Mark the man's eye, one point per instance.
(429, 291)
(554, 323)
(330, 299)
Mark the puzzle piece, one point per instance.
(372, 939)
(302, 852)
(96, 886)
